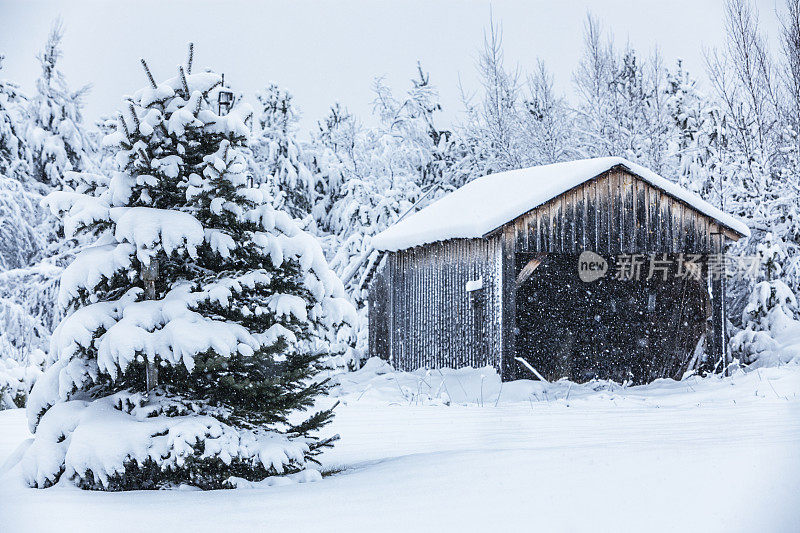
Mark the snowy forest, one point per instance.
(196, 237)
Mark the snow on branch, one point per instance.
(91, 267)
(100, 437)
(169, 331)
(81, 210)
(151, 230)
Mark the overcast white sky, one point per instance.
(331, 51)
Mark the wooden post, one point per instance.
(718, 348)
(508, 311)
(149, 276)
(391, 265)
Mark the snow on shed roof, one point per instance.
(489, 202)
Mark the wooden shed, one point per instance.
(495, 274)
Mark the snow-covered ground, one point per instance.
(419, 453)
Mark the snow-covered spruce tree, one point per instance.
(26, 228)
(332, 147)
(622, 107)
(15, 378)
(55, 133)
(754, 168)
(412, 120)
(491, 136)
(26, 232)
(25, 327)
(770, 310)
(234, 313)
(14, 153)
(546, 121)
(22, 236)
(380, 183)
(277, 153)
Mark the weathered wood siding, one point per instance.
(379, 304)
(612, 214)
(432, 320)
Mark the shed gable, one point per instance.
(615, 212)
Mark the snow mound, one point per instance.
(306, 476)
(379, 384)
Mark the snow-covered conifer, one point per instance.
(413, 121)
(15, 378)
(196, 322)
(492, 131)
(25, 228)
(622, 102)
(332, 153)
(277, 152)
(27, 232)
(546, 121)
(14, 153)
(770, 311)
(55, 133)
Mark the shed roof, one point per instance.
(489, 202)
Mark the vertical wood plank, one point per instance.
(508, 303)
(597, 220)
(399, 307)
(566, 219)
(415, 310)
(580, 212)
(576, 219)
(521, 236)
(657, 225)
(591, 224)
(666, 224)
(677, 226)
(615, 235)
(604, 206)
(496, 267)
(400, 311)
(651, 217)
(629, 215)
(390, 267)
(557, 226)
(546, 228)
(642, 226)
(461, 324)
(633, 242)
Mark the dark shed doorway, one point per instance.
(633, 330)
